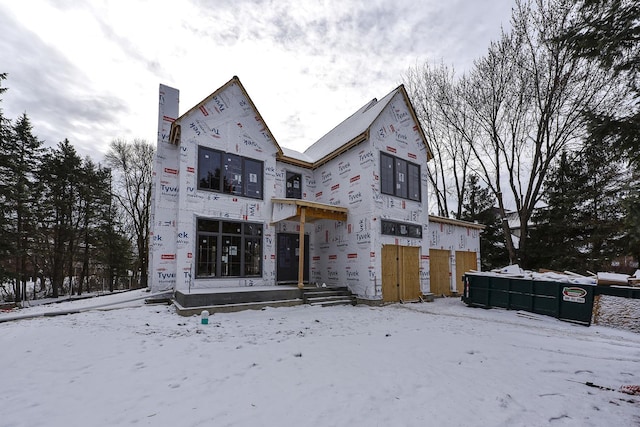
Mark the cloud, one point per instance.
(55, 94)
(89, 71)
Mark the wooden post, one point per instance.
(301, 249)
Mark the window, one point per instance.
(399, 178)
(401, 229)
(209, 169)
(253, 178)
(413, 181)
(386, 174)
(228, 249)
(232, 178)
(294, 185)
(229, 173)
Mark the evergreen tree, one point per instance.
(57, 223)
(608, 32)
(631, 206)
(558, 245)
(91, 187)
(21, 155)
(6, 133)
(478, 206)
(602, 210)
(581, 228)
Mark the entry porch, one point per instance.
(224, 300)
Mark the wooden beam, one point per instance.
(314, 210)
(301, 249)
(312, 214)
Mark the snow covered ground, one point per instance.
(431, 364)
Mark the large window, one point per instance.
(228, 249)
(399, 177)
(229, 173)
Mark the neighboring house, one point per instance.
(231, 206)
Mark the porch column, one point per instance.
(301, 249)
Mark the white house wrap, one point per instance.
(230, 205)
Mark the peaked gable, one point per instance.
(354, 130)
(215, 102)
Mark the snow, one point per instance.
(617, 312)
(440, 364)
(350, 128)
(515, 271)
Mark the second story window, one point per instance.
(399, 177)
(229, 173)
(294, 185)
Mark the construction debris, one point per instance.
(635, 279)
(600, 278)
(612, 279)
(514, 270)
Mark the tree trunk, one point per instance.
(16, 290)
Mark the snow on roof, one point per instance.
(346, 134)
(354, 126)
(287, 152)
(458, 222)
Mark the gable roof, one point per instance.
(351, 132)
(175, 126)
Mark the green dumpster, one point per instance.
(565, 301)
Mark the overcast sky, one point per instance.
(89, 70)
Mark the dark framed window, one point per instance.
(228, 249)
(253, 178)
(399, 177)
(232, 177)
(401, 229)
(294, 185)
(413, 182)
(209, 169)
(387, 180)
(229, 173)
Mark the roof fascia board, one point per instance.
(412, 111)
(343, 148)
(459, 222)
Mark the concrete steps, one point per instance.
(328, 296)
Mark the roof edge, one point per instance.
(443, 220)
(414, 116)
(234, 80)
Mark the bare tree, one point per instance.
(530, 97)
(448, 128)
(132, 165)
(508, 119)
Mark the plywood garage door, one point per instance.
(465, 261)
(439, 272)
(410, 271)
(390, 281)
(400, 273)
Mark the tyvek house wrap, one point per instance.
(341, 252)
(349, 253)
(164, 200)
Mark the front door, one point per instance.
(287, 260)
